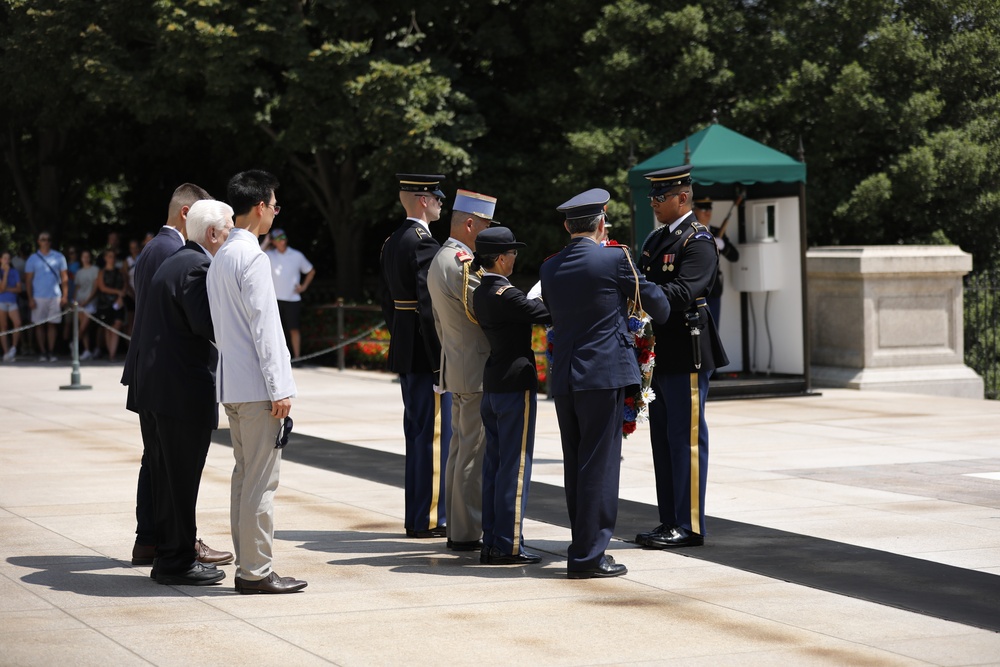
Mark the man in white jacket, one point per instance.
(254, 381)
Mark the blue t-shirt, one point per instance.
(12, 278)
(46, 284)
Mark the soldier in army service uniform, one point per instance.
(415, 353)
(682, 257)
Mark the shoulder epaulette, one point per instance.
(421, 232)
(462, 256)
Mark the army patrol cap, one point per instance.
(704, 203)
(664, 180)
(421, 184)
(496, 241)
(586, 204)
(473, 203)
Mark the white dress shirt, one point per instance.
(254, 363)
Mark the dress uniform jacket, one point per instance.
(684, 262)
(464, 348)
(506, 315)
(406, 303)
(586, 288)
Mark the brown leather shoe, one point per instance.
(143, 554)
(272, 583)
(209, 556)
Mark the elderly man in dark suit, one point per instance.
(587, 288)
(168, 241)
(174, 391)
(415, 353)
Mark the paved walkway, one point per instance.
(912, 475)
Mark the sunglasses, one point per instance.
(282, 438)
(662, 198)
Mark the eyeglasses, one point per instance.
(662, 198)
(282, 438)
(439, 200)
(277, 209)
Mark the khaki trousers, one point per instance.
(255, 479)
(464, 472)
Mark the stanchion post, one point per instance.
(341, 357)
(74, 377)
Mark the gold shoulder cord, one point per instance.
(465, 292)
(637, 300)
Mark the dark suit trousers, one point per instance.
(590, 425)
(145, 531)
(177, 452)
(679, 436)
(427, 429)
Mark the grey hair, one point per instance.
(584, 225)
(207, 214)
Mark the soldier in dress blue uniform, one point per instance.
(703, 212)
(510, 395)
(415, 353)
(683, 258)
(586, 288)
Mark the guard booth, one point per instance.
(763, 316)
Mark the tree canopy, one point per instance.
(110, 105)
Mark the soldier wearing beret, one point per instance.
(464, 350)
(682, 257)
(415, 353)
(510, 395)
(586, 288)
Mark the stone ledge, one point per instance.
(955, 380)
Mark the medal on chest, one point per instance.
(668, 263)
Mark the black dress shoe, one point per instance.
(437, 531)
(272, 583)
(497, 557)
(471, 545)
(607, 568)
(675, 537)
(642, 538)
(198, 574)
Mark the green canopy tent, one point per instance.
(722, 163)
(718, 157)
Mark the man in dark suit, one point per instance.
(168, 241)
(415, 353)
(682, 257)
(510, 396)
(174, 392)
(587, 288)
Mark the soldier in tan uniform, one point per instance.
(464, 351)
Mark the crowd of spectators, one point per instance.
(40, 283)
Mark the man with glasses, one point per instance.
(682, 257)
(464, 351)
(254, 381)
(415, 353)
(46, 280)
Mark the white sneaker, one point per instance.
(43, 357)
(85, 356)
(11, 354)
(53, 357)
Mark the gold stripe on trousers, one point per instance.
(520, 474)
(432, 520)
(695, 456)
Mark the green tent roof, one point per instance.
(719, 155)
